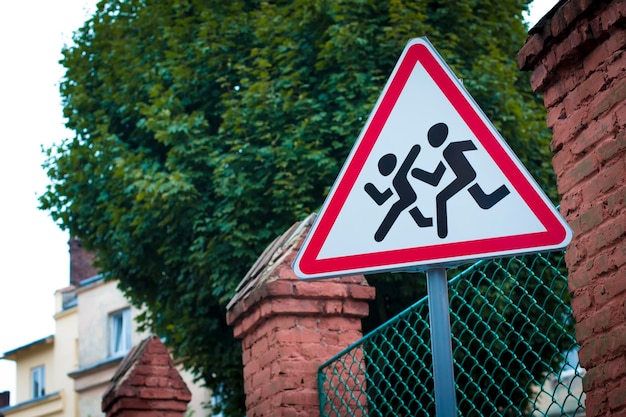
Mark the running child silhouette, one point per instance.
(404, 190)
(465, 174)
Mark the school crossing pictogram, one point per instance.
(464, 173)
(429, 181)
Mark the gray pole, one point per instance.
(441, 342)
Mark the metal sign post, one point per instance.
(441, 342)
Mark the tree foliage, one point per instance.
(205, 128)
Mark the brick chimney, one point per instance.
(81, 262)
(4, 399)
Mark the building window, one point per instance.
(38, 387)
(119, 332)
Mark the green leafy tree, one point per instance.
(205, 128)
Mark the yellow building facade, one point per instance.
(66, 374)
(43, 387)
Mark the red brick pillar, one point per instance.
(146, 384)
(578, 62)
(289, 327)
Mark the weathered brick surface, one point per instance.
(290, 327)
(146, 384)
(578, 62)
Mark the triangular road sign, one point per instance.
(429, 181)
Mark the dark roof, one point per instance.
(27, 402)
(91, 280)
(96, 366)
(47, 339)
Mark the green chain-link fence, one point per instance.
(513, 341)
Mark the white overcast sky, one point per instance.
(34, 259)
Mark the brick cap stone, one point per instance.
(146, 377)
(272, 277)
(275, 254)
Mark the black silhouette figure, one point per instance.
(465, 174)
(406, 194)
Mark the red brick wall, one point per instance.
(578, 60)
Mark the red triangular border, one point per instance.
(557, 233)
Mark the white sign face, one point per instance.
(429, 182)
